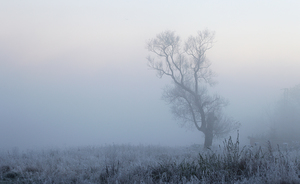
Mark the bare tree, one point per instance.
(285, 118)
(188, 95)
(295, 93)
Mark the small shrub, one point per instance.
(110, 172)
(11, 175)
(4, 169)
(31, 170)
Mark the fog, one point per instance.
(74, 73)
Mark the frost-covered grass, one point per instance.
(151, 164)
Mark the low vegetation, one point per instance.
(152, 164)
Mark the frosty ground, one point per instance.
(227, 163)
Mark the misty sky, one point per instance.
(74, 73)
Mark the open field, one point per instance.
(151, 164)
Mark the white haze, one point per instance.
(74, 73)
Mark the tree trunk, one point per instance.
(208, 139)
(209, 130)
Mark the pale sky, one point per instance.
(74, 73)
